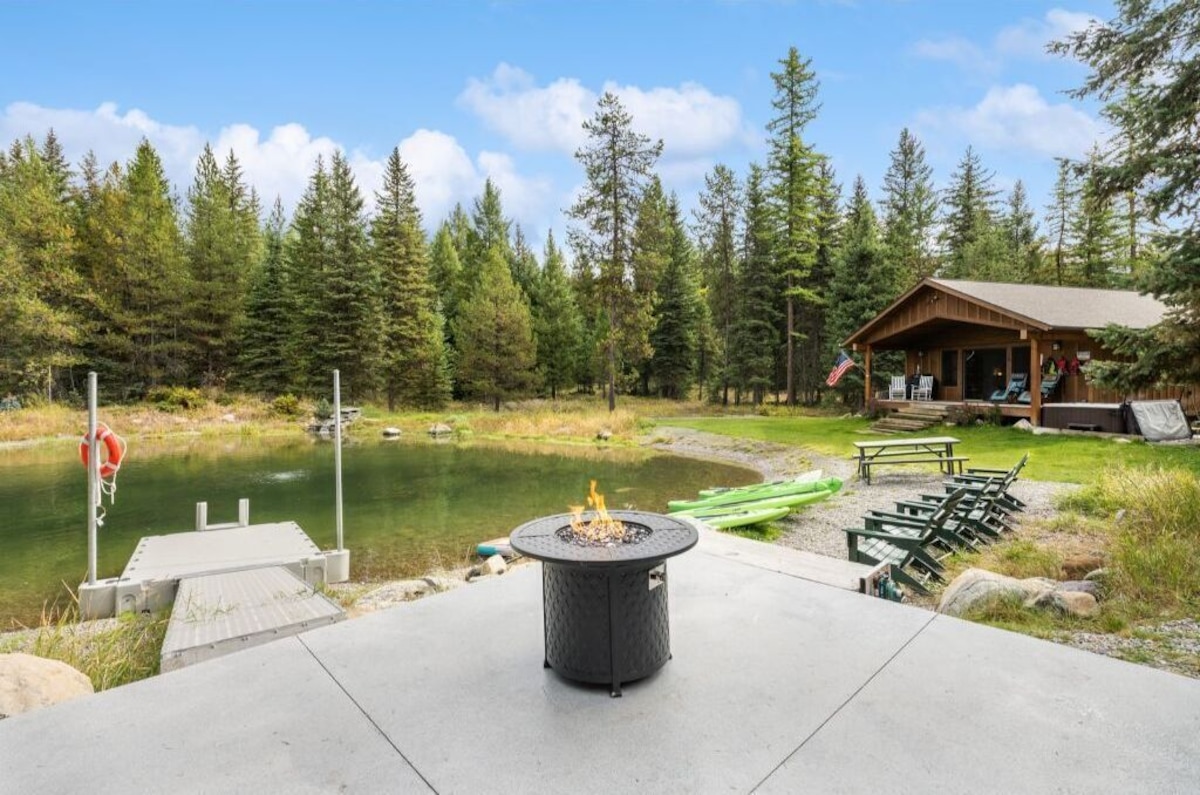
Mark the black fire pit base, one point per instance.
(605, 606)
(606, 626)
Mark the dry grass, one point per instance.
(110, 653)
(249, 415)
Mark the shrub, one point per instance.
(173, 398)
(1156, 540)
(286, 406)
(323, 410)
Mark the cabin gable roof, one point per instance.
(1023, 307)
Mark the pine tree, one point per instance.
(866, 280)
(676, 334)
(557, 324)
(497, 352)
(489, 228)
(795, 185)
(56, 161)
(223, 245)
(969, 213)
(446, 273)
(1094, 232)
(414, 356)
(651, 253)
(1021, 238)
(152, 309)
(337, 285)
(100, 260)
(39, 329)
(1059, 213)
(617, 162)
(308, 259)
(264, 362)
(719, 227)
(755, 341)
(523, 264)
(1150, 56)
(352, 339)
(909, 209)
(812, 359)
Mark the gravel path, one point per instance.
(818, 528)
(1170, 646)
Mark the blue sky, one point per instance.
(475, 89)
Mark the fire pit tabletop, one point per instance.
(540, 539)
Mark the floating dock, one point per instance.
(215, 614)
(160, 562)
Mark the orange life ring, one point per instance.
(112, 444)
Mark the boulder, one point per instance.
(977, 587)
(1023, 425)
(229, 418)
(494, 565)
(391, 433)
(28, 682)
(604, 434)
(1074, 603)
(1083, 586)
(1076, 566)
(440, 429)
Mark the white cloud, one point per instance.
(1026, 39)
(110, 134)
(690, 119)
(1029, 37)
(1018, 118)
(958, 51)
(526, 199)
(280, 163)
(441, 170)
(276, 166)
(546, 118)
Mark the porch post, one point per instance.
(1035, 379)
(867, 377)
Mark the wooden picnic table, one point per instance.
(931, 450)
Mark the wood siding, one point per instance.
(927, 305)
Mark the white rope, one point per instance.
(109, 488)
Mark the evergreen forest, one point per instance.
(741, 300)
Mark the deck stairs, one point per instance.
(914, 416)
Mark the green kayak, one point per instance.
(743, 518)
(735, 496)
(785, 501)
(807, 477)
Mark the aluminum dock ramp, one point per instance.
(215, 614)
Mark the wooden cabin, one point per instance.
(972, 337)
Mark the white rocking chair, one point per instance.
(897, 390)
(924, 388)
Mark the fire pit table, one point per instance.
(604, 605)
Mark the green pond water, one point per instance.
(409, 506)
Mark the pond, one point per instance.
(410, 506)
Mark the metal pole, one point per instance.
(93, 473)
(337, 454)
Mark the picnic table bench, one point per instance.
(932, 450)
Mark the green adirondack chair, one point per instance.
(904, 543)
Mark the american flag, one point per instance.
(840, 367)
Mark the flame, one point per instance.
(601, 527)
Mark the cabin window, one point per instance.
(949, 368)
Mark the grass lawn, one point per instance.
(1054, 457)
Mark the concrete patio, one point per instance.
(778, 684)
